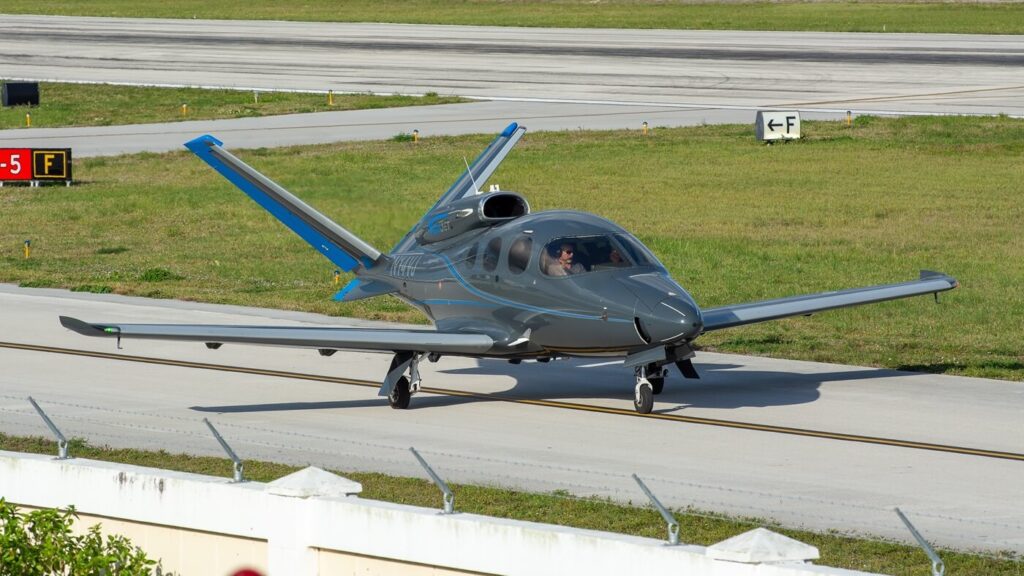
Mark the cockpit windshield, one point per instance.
(637, 252)
(571, 255)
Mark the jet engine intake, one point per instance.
(471, 213)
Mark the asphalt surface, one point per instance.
(548, 79)
(934, 73)
(380, 124)
(566, 425)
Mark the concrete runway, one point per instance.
(910, 73)
(820, 483)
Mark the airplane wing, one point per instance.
(740, 314)
(322, 338)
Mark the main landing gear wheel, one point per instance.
(399, 396)
(643, 399)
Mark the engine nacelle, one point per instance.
(471, 213)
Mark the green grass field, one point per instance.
(732, 219)
(64, 104)
(558, 508)
(960, 17)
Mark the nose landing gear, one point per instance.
(656, 376)
(650, 380)
(643, 399)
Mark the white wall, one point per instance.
(304, 534)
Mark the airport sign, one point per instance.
(35, 165)
(777, 125)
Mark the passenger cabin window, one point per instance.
(569, 256)
(491, 254)
(519, 254)
(471, 255)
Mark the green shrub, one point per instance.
(41, 542)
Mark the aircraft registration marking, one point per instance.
(405, 266)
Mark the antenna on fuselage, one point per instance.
(476, 189)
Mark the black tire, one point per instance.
(643, 400)
(657, 385)
(399, 397)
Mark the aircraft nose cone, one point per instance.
(665, 312)
(674, 319)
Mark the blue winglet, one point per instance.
(510, 130)
(201, 147)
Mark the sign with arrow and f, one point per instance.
(777, 125)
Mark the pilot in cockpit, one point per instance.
(565, 265)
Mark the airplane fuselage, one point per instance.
(507, 281)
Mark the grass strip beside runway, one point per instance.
(733, 221)
(554, 508)
(65, 104)
(840, 16)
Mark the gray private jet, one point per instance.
(501, 282)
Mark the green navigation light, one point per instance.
(110, 330)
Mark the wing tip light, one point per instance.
(510, 130)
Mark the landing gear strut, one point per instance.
(650, 380)
(656, 376)
(398, 387)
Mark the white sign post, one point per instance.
(777, 125)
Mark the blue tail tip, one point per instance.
(340, 296)
(204, 140)
(510, 130)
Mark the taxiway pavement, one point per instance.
(820, 483)
(379, 124)
(933, 73)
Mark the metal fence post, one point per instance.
(62, 442)
(673, 525)
(449, 498)
(938, 568)
(231, 453)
